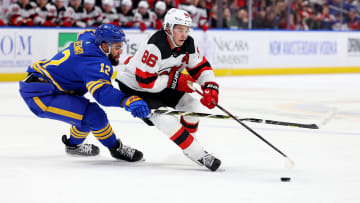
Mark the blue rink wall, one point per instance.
(230, 52)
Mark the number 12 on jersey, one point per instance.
(149, 60)
(106, 70)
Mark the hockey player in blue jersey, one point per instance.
(54, 89)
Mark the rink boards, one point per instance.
(230, 52)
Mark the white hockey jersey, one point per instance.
(148, 70)
(19, 15)
(149, 18)
(198, 15)
(3, 20)
(46, 14)
(78, 16)
(93, 17)
(110, 17)
(65, 16)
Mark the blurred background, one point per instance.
(300, 46)
(254, 37)
(234, 14)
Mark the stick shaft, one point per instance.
(255, 120)
(248, 128)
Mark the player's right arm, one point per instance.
(97, 79)
(147, 63)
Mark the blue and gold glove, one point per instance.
(136, 106)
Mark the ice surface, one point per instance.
(34, 167)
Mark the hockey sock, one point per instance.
(106, 136)
(171, 126)
(182, 138)
(190, 126)
(188, 144)
(78, 135)
(97, 121)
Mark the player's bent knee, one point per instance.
(94, 116)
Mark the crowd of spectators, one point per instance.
(265, 14)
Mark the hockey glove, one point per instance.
(136, 106)
(210, 94)
(142, 27)
(178, 81)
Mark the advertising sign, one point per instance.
(225, 49)
(22, 47)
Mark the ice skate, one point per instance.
(126, 153)
(208, 160)
(81, 149)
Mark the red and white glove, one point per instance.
(142, 27)
(158, 24)
(204, 27)
(210, 94)
(129, 24)
(179, 81)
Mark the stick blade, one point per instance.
(289, 164)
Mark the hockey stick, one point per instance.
(289, 163)
(219, 116)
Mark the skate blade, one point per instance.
(220, 170)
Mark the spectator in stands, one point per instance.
(356, 4)
(348, 5)
(93, 14)
(353, 20)
(318, 4)
(263, 4)
(259, 19)
(126, 15)
(78, 13)
(214, 18)
(198, 14)
(242, 19)
(226, 18)
(2, 17)
(144, 17)
(109, 13)
(326, 19)
(269, 19)
(169, 4)
(233, 7)
(21, 13)
(339, 23)
(45, 14)
(312, 22)
(281, 14)
(64, 14)
(304, 9)
(298, 22)
(335, 6)
(159, 10)
(266, 14)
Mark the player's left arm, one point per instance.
(200, 69)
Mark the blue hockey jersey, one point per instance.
(81, 67)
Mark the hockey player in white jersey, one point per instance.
(155, 74)
(94, 14)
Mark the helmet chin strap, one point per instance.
(172, 38)
(108, 52)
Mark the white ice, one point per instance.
(34, 167)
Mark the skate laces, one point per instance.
(207, 160)
(85, 148)
(127, 151)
